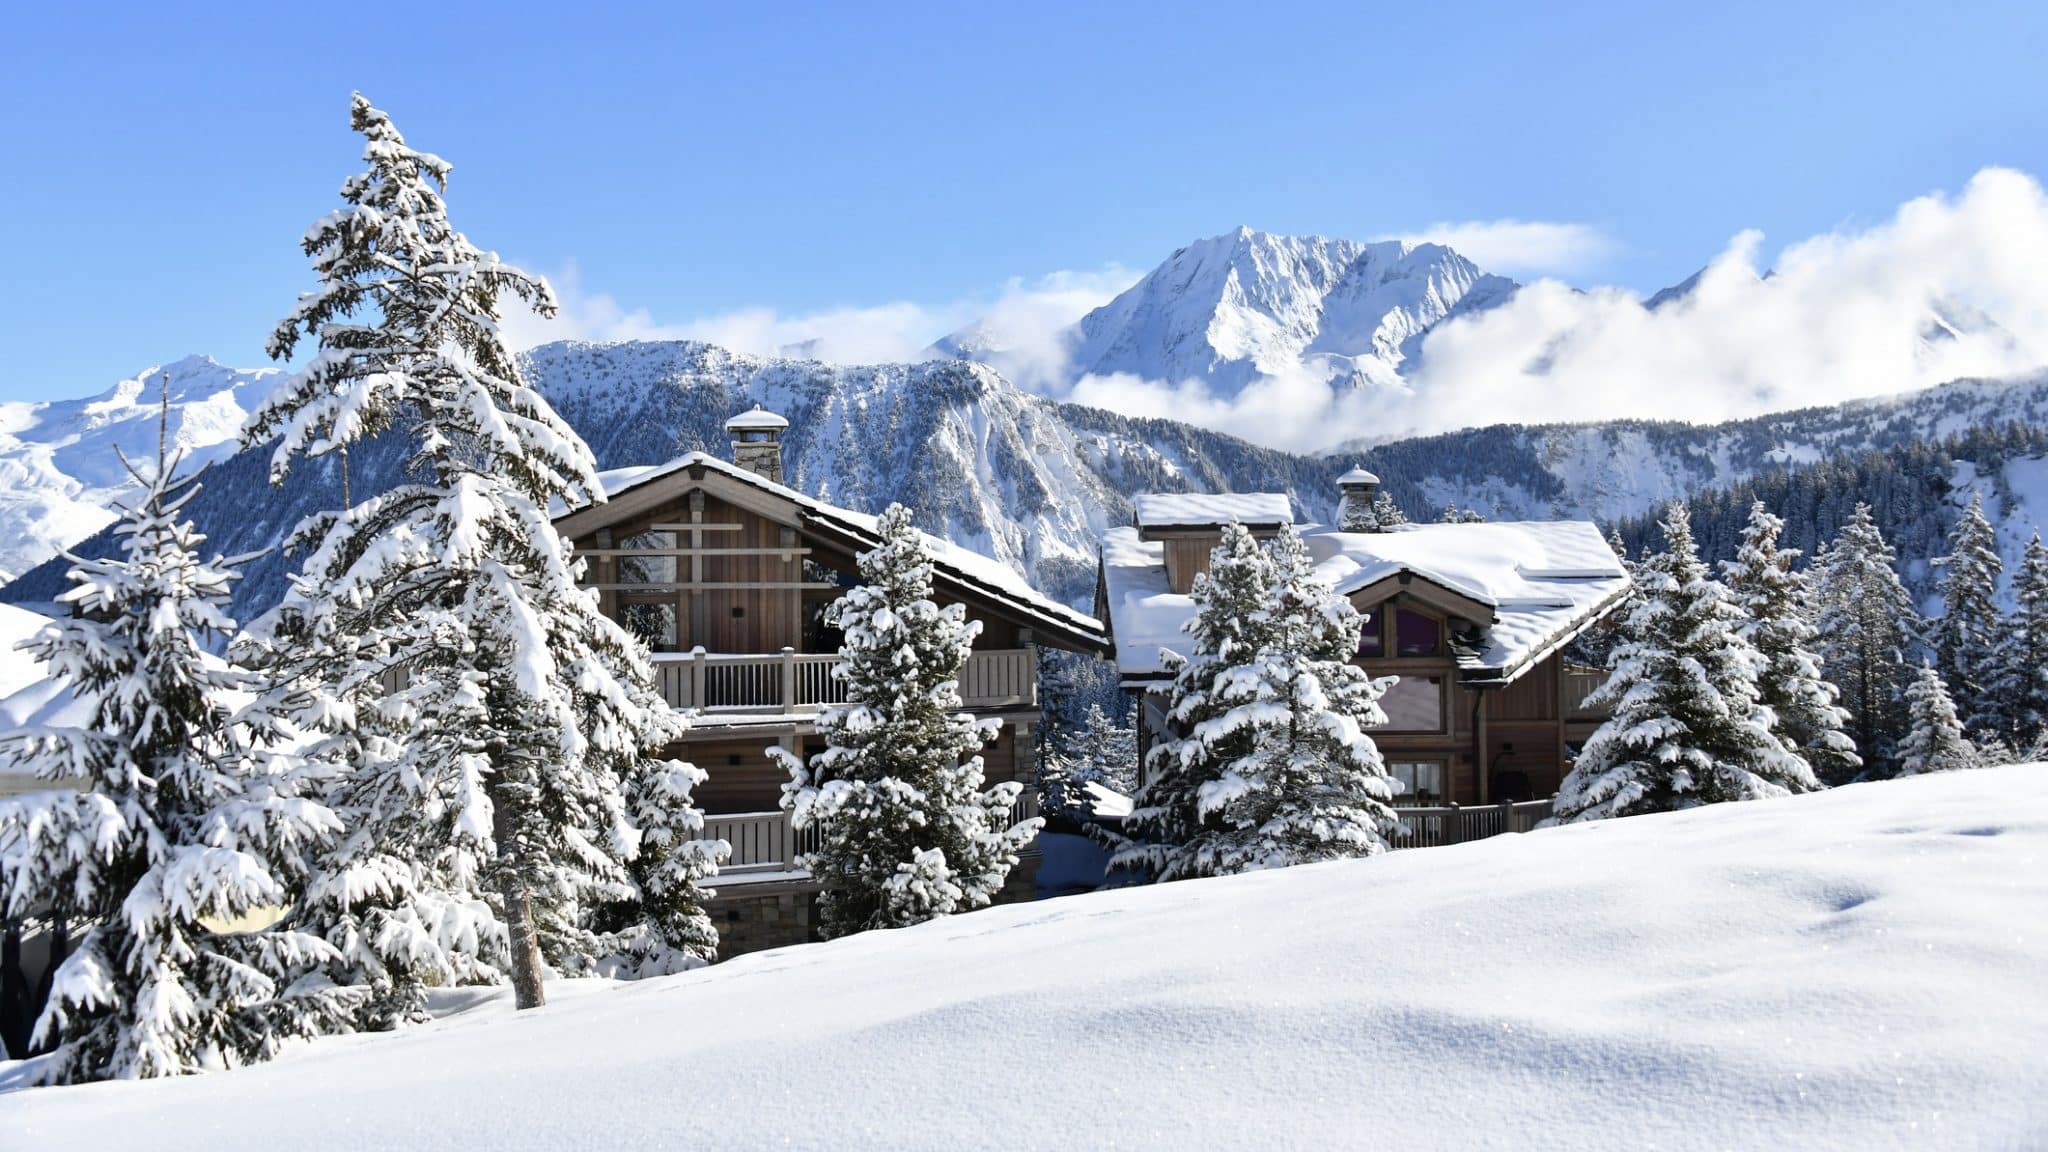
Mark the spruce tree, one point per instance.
(1272, 765)
(2021, 683)
(1687, 728)
(905, 831)
(1865, 627)
(189, 817)
(1935, 741)
(1966, 635)
(1774, 597)
(485, 714)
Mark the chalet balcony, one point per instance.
(764, 842)
(1436, 827)
(793, 683)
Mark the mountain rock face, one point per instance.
(60, 461)
(1232, 308)
(1032, 482)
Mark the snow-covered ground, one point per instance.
(1860, 969)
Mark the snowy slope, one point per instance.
(1855, 970)
(1230, 308)
(59, 469)
(18, 669)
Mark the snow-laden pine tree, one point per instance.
(1866, 627)
(1774, 598)
(1687, 728)
(1935, 741)
(1271, 765)
(188, 818)
(905, 830)
(1102, 752)
(1966, 634)
(486, 715)
(661, 926)
(2022, 679)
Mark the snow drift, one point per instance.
(1859, 969)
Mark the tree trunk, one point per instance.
(526, 987)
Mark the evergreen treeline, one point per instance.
(1906, 486)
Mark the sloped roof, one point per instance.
(961, 567)
(1544, 581)
(1196, 509)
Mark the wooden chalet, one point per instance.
(1472, 618)
(725, 572)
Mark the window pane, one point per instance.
(1415, 634)
(1414, 704)
(648, 569)
(654, 624)
(1422, 781)
(1369, 640)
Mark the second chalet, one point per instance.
(1473, 618)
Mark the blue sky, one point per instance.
(692, 161)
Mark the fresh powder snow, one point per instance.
(1857, 969)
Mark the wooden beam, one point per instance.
(694, 527)
(763, 586)
(785, 553)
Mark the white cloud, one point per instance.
(1840, 316)
(1518, 247)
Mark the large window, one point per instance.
(653, 622)
(648, 569)
(1416, 634)
(1422, 781)
(1411, 633)
(1414, 704)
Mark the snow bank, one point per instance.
(1859, 969)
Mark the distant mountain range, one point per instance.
(1030, 481)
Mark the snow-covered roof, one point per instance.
(1355, 477)
(1543, 580)
(758, 419)
(1196, 509)
(985, 573)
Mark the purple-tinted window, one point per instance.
(1415, 634)
(1369, 640)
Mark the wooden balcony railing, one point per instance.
(765, 841)
(791, 682)
(1434, 827)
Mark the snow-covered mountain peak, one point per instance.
(1244, 304)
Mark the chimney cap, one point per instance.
(759, 419)
(1357, 476)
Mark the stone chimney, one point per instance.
(1356, 512)
(757, 442)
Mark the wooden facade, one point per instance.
(726, 575)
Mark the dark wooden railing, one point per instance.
(1434, 827)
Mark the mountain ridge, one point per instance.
(1032, 482)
